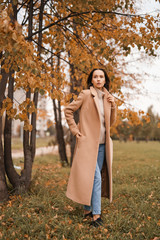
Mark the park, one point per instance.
(46, 213)
(47, 50)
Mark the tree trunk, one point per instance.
(9, 168)
(12, 175)
(3, 185)
(29, 140)
(27, 152)
(76, 114)
(26, 134)
(74, 84)
(30, 147)
(35, 99)
(73, 138)
(60, 134)
(59, 127)
(3, 81)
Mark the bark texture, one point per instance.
(29, 139)
(58, 121)
(9, 167)
(3, 185)
(76, 114)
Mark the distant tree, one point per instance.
(51, 128)
(148, 128)
(124, 131)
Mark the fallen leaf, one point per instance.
(80, 225)
(158, 223)
(70, 208)
(69, 221)
(151, 195)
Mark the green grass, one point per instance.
(45, 212)
(40, 142)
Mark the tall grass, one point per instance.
(46, 213)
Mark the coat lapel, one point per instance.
(107, 106)
(95, 97)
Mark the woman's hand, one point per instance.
(78, 135)
(110, 99)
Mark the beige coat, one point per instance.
(86, 149)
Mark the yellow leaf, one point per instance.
(30, 128)
(9, 105)
(14, 37)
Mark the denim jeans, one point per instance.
(96, 192)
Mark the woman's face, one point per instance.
(98, 79)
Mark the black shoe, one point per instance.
(87, 215)
(97, 223)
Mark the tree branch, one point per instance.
(75, 14)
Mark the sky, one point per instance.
(149, 88)
(148, 68)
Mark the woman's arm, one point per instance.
(111, 99)
(113, 114)
(70, 109)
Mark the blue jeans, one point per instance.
(96, 192)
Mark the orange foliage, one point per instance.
(87, 34)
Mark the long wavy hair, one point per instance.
(89, 80)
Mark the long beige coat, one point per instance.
(81, 178)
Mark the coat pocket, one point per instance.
(80, 140)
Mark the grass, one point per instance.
(45, 212)
(40, 142)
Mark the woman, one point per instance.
(92, 160)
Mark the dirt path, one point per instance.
(39, 151)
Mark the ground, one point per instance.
(45, 212)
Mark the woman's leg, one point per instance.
(87, 208)
(96, 193)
